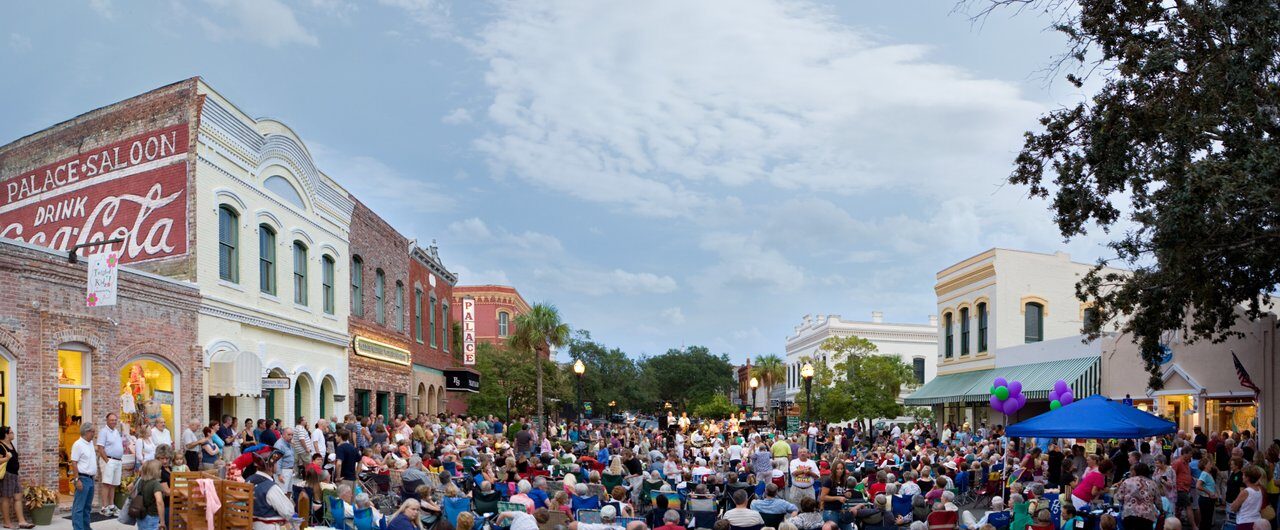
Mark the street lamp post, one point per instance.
(579, 369)
(755, 383)
(612, 404)
(806, 372)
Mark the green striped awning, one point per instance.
(1081, 374)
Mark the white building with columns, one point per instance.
(915, 344)
(273, 267)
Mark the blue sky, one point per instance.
(665, 172)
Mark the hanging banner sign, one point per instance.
(104, 269)
(133, 189)
(468, 330)
(461, 381)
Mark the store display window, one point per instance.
(148, 390)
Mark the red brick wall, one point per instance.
(175, 104)
(380, 247)
(42, 307)
(490, 299)
(423, 353)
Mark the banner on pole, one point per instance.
(104, 270)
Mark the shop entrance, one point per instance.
(6, 386)
(149, 391)
(73, 405)
(384, 404)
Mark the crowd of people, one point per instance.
(448, 472)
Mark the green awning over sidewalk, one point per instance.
(1081, 374)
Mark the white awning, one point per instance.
(235, 373)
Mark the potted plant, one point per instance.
(122, 491)
(40, 502)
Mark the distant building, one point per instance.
(497, 307)
(1012, 314)
(915, 344)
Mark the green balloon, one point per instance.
(1053, 405)
(993, 389)
(1002, 393)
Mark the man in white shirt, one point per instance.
(741, 515)
(161, 435)
(191, 443)
(317, 437)
(85, 458)
(813, 437)
(110, 446)
(803, 472)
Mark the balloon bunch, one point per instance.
(1006, 396)
(1060, 395)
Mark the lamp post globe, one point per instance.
(579, 368)
(755, 383)
(806, 372)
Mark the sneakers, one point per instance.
(109, 511)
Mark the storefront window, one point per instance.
(1178, 409)
(401, 404)
(73, 396)
(147, 391)
(1232, 414)
(6, 387)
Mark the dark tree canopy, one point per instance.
(1182, 139)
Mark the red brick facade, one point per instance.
(378, 385)
(492, 303)
(437, 350)
(42, 310)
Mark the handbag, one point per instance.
(128, 516)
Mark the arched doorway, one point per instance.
(431, 400)
(302, 400)
(422, 399)
(440, 400)
(75, 359)
(155, 388)
(7, 388)
(275, 400)
(326, 397)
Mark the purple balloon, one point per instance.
(1015, 388)
(1001, 382)
(996, 404)
(1067, 398)
(1010, 407)
(1021, 399)
(1053, 395)
(1061, 387)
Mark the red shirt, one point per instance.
(670, 526)
(1092, 478)
(1182, 473)
(875, 489)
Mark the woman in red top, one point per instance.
(1091, 484)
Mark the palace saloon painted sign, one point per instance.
(468, 330)
(133, 189)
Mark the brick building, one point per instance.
(61, 361)
(497, 307)
(379, 361)
(436, 345)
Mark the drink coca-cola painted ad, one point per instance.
(135, 190)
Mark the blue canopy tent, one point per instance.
(1093, 417)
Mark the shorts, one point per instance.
(1184, 500)
(110, 472)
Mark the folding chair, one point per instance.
(512, 507)
(943, 520)
(363, 518)
(589, 516)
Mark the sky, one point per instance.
(666, 173)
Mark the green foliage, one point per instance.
(921, 414)
(715, 407)
(537, 332)
(1179, 144)
(769, 369)
(687, 376)
(874, 383)
(610, 375)
(505, 372)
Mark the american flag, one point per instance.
(1245, 381)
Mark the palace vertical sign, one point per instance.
(468, 330)
(134, 189)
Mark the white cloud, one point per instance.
(600, 283)
(103, 8)
(340, 9)
(467, 276)
(457, 116)
(673, 316)
(268, 22)
(19, 42)
(373, 181)
(745, 265)
(474, 231)
(590, 101)
(431, 14)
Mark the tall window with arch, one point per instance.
(982, 327)
(432, 320)
(266, 259)
(326, 283)
(947, 337)
(357, 286)
(917, 369)
(399, 306)
(379, 296)
(228, 244)
(444, 332)
(417, 315)
(964, 331)
(299, 273)
(504, 321)
(1034, 322)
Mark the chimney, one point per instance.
(877, 317)
(933, 320)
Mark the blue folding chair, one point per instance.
(901, 505)
(589, 517)
(454, 506)
(363, 518)
(337, 514)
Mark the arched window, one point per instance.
(357, 286)
(1034, 320)
(299, 273)
(228, 244)
(399, 306)
(326, 283)
(282, 187)
(444, 331)
(503, 322)
(417, 314)
(432, 320)
(266, 259)
(982, 327)
(917, 369)
(964, 331)
(379, 296)
(946, 319)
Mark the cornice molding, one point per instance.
(305, 331)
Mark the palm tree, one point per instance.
(537, 332)
(769, 370)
